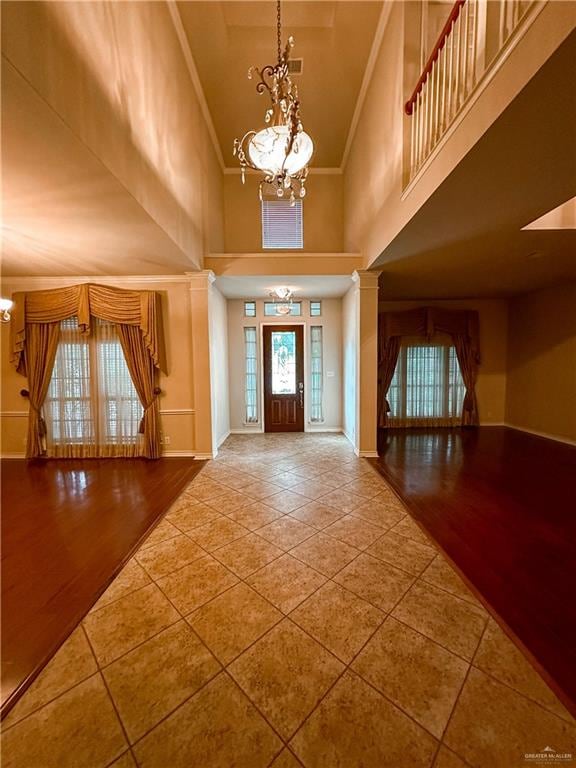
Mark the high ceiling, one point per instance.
(333, 38)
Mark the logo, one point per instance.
(548, 756)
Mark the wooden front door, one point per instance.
(283, 378)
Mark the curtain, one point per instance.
(427, 389)
(468, 362)
(143, 373)
(38, 358)
(425, 322)
(387, 364)
(92, 408)
(85, 301)
(137, 310)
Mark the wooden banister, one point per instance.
(440, 43)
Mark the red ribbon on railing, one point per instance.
(440, 43)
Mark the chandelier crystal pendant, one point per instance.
(282, 150)
(283, 300)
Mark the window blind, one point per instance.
(250, 381)
(427, 388)
(282, 224)
(316, 371)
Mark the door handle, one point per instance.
(301, 393)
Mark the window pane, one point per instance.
(283, 362)
(250, 309)
(250, 381)
(427, 385)
(316, 372)
(91, 400)
(277, 309)
(315, 308)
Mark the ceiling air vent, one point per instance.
(295, 66)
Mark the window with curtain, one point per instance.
(427, 388)
(92, 408)
(250, 374)
(316, 410)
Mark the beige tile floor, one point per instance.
(286, 612)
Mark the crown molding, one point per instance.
(284, 254)
(193, 72)
(63, 280)
(366, 80)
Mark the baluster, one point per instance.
(474, 45)
(444, 54)
(412, 119)
(420, 126)
(438, 97)
(464, 14)
(457, 38)
(417, 113)
(425, 116)
(450, 40)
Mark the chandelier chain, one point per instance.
(279, 30)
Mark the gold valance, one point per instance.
(116, 305)
(427, 321)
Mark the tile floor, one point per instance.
(286, 612)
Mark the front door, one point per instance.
(283, 378)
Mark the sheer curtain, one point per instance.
(427, 388)
(92, 408)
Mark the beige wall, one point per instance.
(491, 384)
(177, 402)
(153, 139)
(322, 214)
(331, 322)
(541, 394)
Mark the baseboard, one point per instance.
(350, 440)
(179, 454)
(320, 428)
(366, 454)
(19, 455)
(547, 435)
(257, 430)
(223, 438)
(201, 456)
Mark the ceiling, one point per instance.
(333, 38)
(306, 287)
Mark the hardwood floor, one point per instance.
(501, 504)
(68, 526)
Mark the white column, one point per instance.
(200, 283)
(367, 363)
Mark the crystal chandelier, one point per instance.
(283, 297)
(282, 150)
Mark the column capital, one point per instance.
(201, 280)
(366, 278)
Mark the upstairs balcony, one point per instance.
(475, 38)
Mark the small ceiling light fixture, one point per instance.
(283, 149)
(5, 307)
(283, 299)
